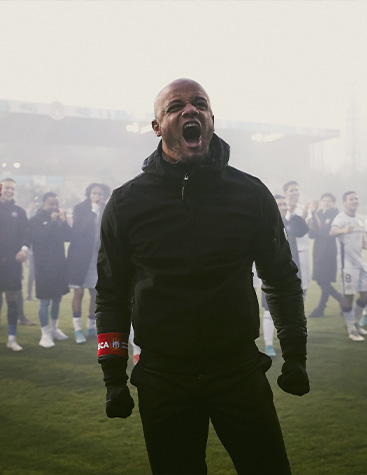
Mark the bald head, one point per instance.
(172, 87)
(184, 120)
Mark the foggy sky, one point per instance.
(273, 62)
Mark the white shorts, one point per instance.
(353, 279)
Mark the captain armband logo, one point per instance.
(113, 344)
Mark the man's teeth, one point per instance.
(190, 125)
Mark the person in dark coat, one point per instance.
(49, 231)
(324, 252)
(82, 255)
(14, 244)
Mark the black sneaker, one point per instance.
(317, 313)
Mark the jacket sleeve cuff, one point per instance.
(294, 348)
(114, 370)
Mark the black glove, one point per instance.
(294, 378)
(119, 403)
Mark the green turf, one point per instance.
(52, 418)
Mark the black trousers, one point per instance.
(176, 409)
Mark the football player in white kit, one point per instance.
(350, 230)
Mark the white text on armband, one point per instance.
(113, 344)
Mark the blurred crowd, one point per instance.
(37, 237)
(339, 238)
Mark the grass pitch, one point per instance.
(52, 418)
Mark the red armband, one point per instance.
(113, 344)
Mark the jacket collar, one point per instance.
(216, 161)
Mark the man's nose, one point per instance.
(189, 110)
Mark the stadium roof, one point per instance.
(58, 124)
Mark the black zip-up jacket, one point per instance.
(14, 234)
(181, 243)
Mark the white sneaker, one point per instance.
(13, 345)
(60, 335)
(46, 341)
(354, 335)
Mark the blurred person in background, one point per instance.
(82, 256)
(182, 238)
(296, 227)
(292, 194)
(324, 252)
(49, 231)
(22, 319)
(14, 244)
(30, 281)
(363, 320)
(350, 230)
(31, 211)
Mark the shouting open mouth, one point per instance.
(192, 133)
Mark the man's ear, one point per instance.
(156, 128)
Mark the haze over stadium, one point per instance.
(287, 82)
(295, 63)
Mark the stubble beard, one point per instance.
(192, 159)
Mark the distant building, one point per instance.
(56, 145)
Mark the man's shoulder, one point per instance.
(234, 175)
(343, 216)
(128, 185)
(246, 179)
(340, 217)
(83, 206)
(242, 174)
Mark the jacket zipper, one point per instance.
(185, 180)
